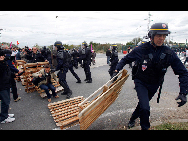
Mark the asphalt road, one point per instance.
(32, 112)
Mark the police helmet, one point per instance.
(84, 44)
(59, 45)
(114, 46)
(158, 28)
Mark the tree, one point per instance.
(136, 40)
(129, 43)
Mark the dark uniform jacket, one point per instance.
(114, 57)
(5, 75)
(152, 64)
(86, 55)
(62, 60)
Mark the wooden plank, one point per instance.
(103, 96)
(89, 114)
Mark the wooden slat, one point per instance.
(89, 114)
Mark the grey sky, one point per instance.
(73, 27)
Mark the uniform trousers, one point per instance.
(73, 72)
(87, 70)
(62, 76)
(145, 92)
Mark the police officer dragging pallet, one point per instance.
(152, 60)
(63, 66)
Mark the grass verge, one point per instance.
(171, 126)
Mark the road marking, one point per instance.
(130, 110)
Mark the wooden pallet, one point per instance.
(19, 64)
(65, 112)
(97, 106)
(68, 112)
(31, 68)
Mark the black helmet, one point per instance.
(158, 28)
(85, 44)
(58, 43)
(114, 46)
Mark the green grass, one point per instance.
(171, 126)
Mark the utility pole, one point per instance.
(56, 28)
(149, 15)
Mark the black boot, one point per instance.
(69, 93)
(131, 124)
(79, 81)
(89, 81)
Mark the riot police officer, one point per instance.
(54, 57)
(46, 53)
(86, 57)
(152, 60)
(113, 59)
(75, 60)
(63, 67)
(70, 62)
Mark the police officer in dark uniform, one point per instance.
(86, 57)
(152, 60)
(113, 59)
(54, 57)
(79, 57)
(70, 62)
(46, 53)
(63, 66)
(75, 60)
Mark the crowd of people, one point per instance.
(60, 59)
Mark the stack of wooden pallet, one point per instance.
(26, 78)
(20, 66)
(29, 68)
(68, 112)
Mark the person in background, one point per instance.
(108, 54)
(14, 52)
(93, 55)
(18, 57)
(46, 75)
(5, 75)
(13, 71)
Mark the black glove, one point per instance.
(114, 74)
(183, 98)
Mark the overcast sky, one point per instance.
(73, 27)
